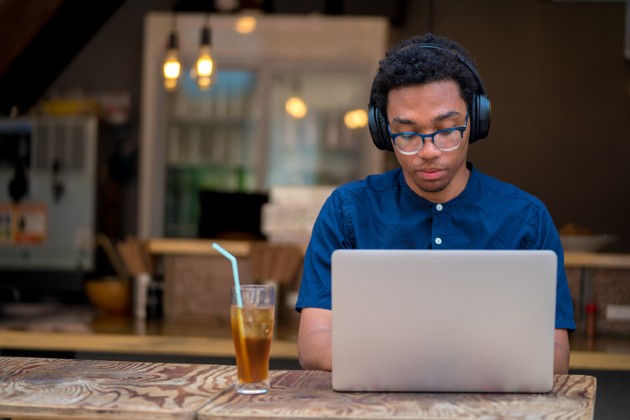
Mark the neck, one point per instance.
(452, 190)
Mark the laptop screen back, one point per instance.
(434, 320)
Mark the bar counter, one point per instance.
(168, 246)
(56, 388)
(78, 330)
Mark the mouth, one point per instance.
(430, 174)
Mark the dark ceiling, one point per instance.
(392, 9)
(40, 37)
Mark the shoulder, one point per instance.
(494, 189)
(374, 191)
(517, 209)
(365, 196)
(375, 183)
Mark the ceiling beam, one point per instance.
(39, 39)
(20, 22)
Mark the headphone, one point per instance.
(479, 112)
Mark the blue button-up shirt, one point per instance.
(382, 212)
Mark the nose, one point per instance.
(428, 150)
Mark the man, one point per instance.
(427, 104)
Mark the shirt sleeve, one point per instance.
(328, 235)
(550, 239)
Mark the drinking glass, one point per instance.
(252, 329)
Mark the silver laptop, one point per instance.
(443, 321)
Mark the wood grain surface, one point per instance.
(308, 394)
(58, 388)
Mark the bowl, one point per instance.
(110, 295)
(586, 243)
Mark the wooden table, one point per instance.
(57, 388)
(308, 394)
(60, 388)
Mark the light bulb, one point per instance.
(205, 62)
(172, 67)
(296, 107)
(245, 25)
(357, 118)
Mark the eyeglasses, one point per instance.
(410, 142)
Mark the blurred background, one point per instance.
(93, 141)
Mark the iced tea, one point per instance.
(252, 330)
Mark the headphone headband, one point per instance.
(460, 57)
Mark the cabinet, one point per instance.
(209, 146)
(52, 226)
(237, 136)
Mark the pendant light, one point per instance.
(172, 66)
(356, 118)
(295, 105)
(245, 24)
(204, 66)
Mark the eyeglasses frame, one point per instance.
(461, 130)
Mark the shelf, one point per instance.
(596, 260)
(210, 121)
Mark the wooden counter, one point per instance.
(600, 354)
(55, 388)
(56, 329)
(153, 345)
(596, 260)
(79, 329)
(168, 246)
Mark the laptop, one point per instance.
(443, 321)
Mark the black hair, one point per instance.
(408, 64)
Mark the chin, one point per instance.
(431, 187)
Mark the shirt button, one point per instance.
(439, 207)
(438, 241)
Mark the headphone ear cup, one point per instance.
(479, 118)
(378, 129)
(484, 110)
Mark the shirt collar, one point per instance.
(423, 203)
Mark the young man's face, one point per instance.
(436, 175)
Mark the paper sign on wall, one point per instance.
(23, 223)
